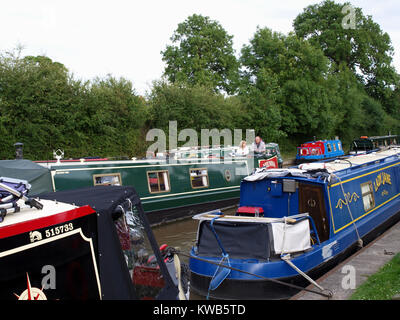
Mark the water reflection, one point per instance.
(181, 234)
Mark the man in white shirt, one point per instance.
(258, 145)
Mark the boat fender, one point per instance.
(178, 274)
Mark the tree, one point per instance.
(286, 78)
(192, 107)
(42, 106)
(115, 116)
(201, 54)
(34, 104)
(364, 48)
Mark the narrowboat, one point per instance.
(318, 150)
(294, 223)
(173, 185)
(367, 144)
(88, 244)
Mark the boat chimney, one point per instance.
(18, 150)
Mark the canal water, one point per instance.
(181, 234)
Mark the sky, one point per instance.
(124, 38)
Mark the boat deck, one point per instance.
(341, 164)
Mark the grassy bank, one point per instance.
(382, 285)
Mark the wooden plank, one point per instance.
(206, 216)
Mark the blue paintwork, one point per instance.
(336, 151)
(384, 176)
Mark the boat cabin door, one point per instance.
(311, 200)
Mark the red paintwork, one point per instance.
(250, 210)
(271, 163)
(312, 148)
(22, 227)
(148, 276)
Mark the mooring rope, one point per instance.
(329, 293)
(359, 240)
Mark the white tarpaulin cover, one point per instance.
(291, 237)
(263, 173)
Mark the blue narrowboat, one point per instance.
(319, 150)
(293, 223)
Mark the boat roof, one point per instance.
(144, 162)
(323, 141)
(50, 208)
(323, 170)
(355, 160)
(376, 137)
(38, 177)
(99, 198)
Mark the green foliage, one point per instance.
(196, 107)
(322, 80)
(365, 49)
(290, 75)
(201, 54)
(43, 107)
(382, 285)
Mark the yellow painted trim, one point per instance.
(335, 231)
(351, 179)
(330, 207)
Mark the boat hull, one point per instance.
(259, 289)
(236, 289)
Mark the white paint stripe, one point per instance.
(55, 238)
(145, 166)
(190, 192)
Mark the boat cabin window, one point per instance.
(158, 181)
(139, 255)
(108, 179)
(198, 177)
(367, 195)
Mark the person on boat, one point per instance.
(258, 145)
(243, 149)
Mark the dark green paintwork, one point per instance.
(134, 173)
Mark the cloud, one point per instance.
(125, 38)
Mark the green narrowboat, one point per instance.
(184, 182)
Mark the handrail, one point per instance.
(312, 225)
